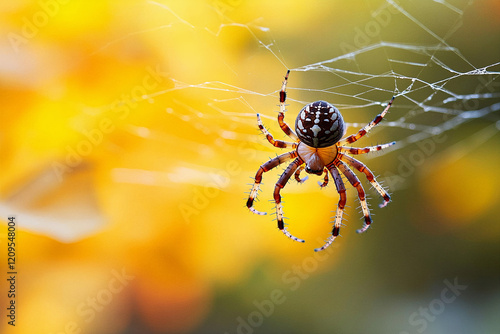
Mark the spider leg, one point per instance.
(325, 180)
(286, 129)
(270, 138)
(277, 197)
(354, 181)
(363, 150)
(297, 175)
(281, 115)
(352, 138)
(258, 177)
(369, 175)
(339, 184)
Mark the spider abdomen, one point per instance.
(319, 124)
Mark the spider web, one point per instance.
(409, 49)
(437, 88)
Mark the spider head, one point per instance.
(320, 124)
(314, 169)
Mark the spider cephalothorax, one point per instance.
(318, 148)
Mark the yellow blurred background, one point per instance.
(129, 138)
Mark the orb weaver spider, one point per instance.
(318, 148)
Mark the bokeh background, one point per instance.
(128, 139)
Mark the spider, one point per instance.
(318, 148)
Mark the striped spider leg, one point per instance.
(339, 184)
(276, 162)
(289, 171)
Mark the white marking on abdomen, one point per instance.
(315, 129)
(300, 125)
(334, 126)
